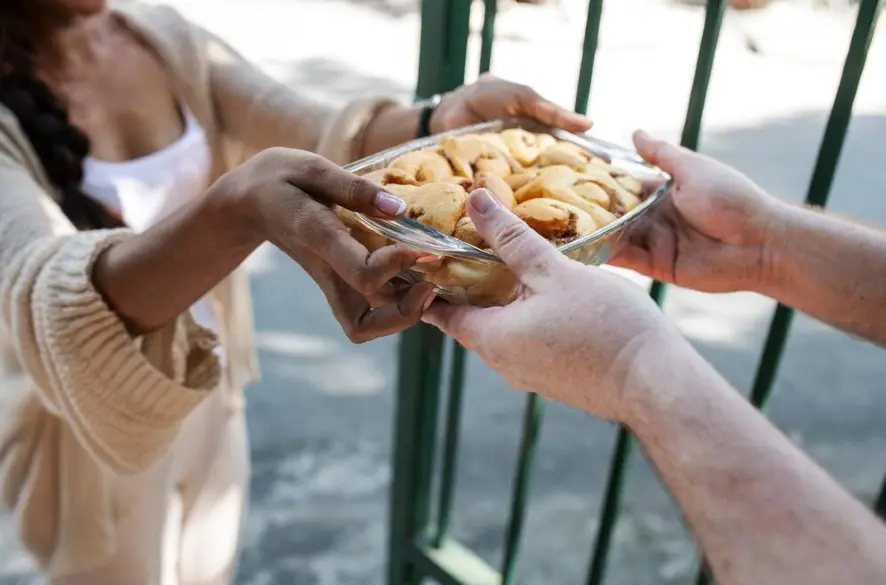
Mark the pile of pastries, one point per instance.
(560, 190)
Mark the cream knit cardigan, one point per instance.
(80, 399)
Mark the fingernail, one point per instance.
(426, 258)
(483, 201)
(389, 204)
(642, 135)
(430, 300)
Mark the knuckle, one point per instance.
(525, 92)
(354, 192)
(511, 236)
(353, 332)
(312, 168)
(365, 282)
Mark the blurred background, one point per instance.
(321, 419)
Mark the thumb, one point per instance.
(668, 157)
(526, 253)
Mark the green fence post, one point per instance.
(532, 418)
(488, 34)
(880, 502)
(819, 189)
(441, 68)
(450, 446)
(417, 395)
(588, 55)
(623, 443)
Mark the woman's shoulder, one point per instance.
(176, 40)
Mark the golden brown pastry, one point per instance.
(526, 146)
(591, 192)
(518, 180)
(471, 154)
(548, 177)
(425, 166)
(631, 184)
(621, 200)
(463, 182)
(566, 153)
(371, 240)
(389, 176)
(481, 283)
(497, 186)
(466, 231)
(494, 139)
(436, 205)
(555, 220)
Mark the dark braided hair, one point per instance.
(60, 146)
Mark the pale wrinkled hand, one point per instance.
(292, 195)
(490, 98)
(712, 233)
(572, 334)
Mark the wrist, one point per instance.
(654, 383)
(779, 249)
(235, 212)
(429, 119)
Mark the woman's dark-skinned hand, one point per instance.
(290, 197)
(282, 196)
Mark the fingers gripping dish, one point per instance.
(560, 190)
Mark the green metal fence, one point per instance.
(419, 542)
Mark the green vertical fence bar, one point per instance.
(450, 445)
(443, 47)
(880, 502)
(588, 55)
(457, 375)
(441, 68)
(417, 394)
(532, 417)
(623, 443)
(488, 34)
(819, 189)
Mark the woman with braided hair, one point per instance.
(141, 161)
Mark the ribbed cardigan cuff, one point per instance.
(125, 397)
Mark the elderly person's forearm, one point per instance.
(831, 268)
(761, 509)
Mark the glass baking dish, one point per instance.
(479, 277)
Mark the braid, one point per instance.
(59, 145)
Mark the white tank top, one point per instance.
(144, 190)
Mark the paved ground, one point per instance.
(321, 418)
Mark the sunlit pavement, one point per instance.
(321, 418)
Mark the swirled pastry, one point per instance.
(472, 154)
(389, 176)
(466, 231)
(526, 146)
(555, 220)
(566, 153)
(518, 180)
(436, 205)
(481, 283)
(371, 240)
(497, 186)
(425, 166)
(621, 200)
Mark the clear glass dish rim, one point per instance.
(392, 229)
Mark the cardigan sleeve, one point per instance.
(123, 397)
(259, 112)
